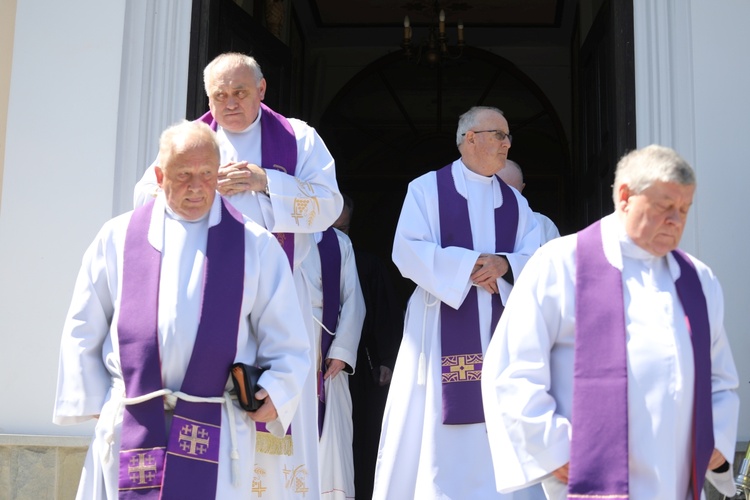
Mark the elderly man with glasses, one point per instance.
(462, 237)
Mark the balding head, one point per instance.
(187, 168)
(512, 175)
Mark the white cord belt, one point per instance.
(170, 401)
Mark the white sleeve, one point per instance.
(528, 238)
(528, 436)
(310, 200)
(83, 380)
(443, 272)
(276, 320)
(724, 382)
(147, 188)
(352, 312)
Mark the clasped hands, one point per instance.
(488, 268)
(236, 177)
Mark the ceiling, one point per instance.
(486, 22)
(330, 13)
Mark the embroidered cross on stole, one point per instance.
(599, 446)
(192, 448)
(461, 347)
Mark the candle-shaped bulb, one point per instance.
(460, 32)
(441, 25)
(407, 30)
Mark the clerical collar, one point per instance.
(473, 176)
(174, 215)
(629, 248)
(248, 129)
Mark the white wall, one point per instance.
(60, 143)
(692, 94)
(91, 87)
(721, 42)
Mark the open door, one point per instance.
(222, 26)
(606, 89)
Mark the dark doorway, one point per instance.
(606, 90)
(219, 26)
(396, 119)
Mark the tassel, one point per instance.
(235, 468)
(271, 445)
(421, 370)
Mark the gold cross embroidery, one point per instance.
(295, 479)
(193, 439)
(462, 367)
(258, 487)
(300, 208)
(142, 468)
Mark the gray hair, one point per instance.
(470, 119)
(186, 134)
(641, 168)
(231, 60)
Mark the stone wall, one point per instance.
(49, 467)
(40, 467)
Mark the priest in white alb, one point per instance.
(463, 237)
(610, 374)
(168, 298)
(277, 171)
(339, 312)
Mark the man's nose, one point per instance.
(676, 217)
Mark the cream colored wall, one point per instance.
(7, 23)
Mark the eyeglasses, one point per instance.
(499, 134)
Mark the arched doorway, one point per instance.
(396, 120)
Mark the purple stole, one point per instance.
(191, 451)
(330, 270)
(278, 152)
(599, 447)
(461, 345)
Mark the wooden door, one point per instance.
(606, 93)
(222, 26)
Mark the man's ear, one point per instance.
(262, 88)
(623, 195)
(159, 175)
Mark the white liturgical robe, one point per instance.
(270, 334)
(527, 380)
(336, 454)
(548, 228)
(302, 204)
(419, 456)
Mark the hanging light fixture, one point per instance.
(435, 49)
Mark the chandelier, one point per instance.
(434, 49)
